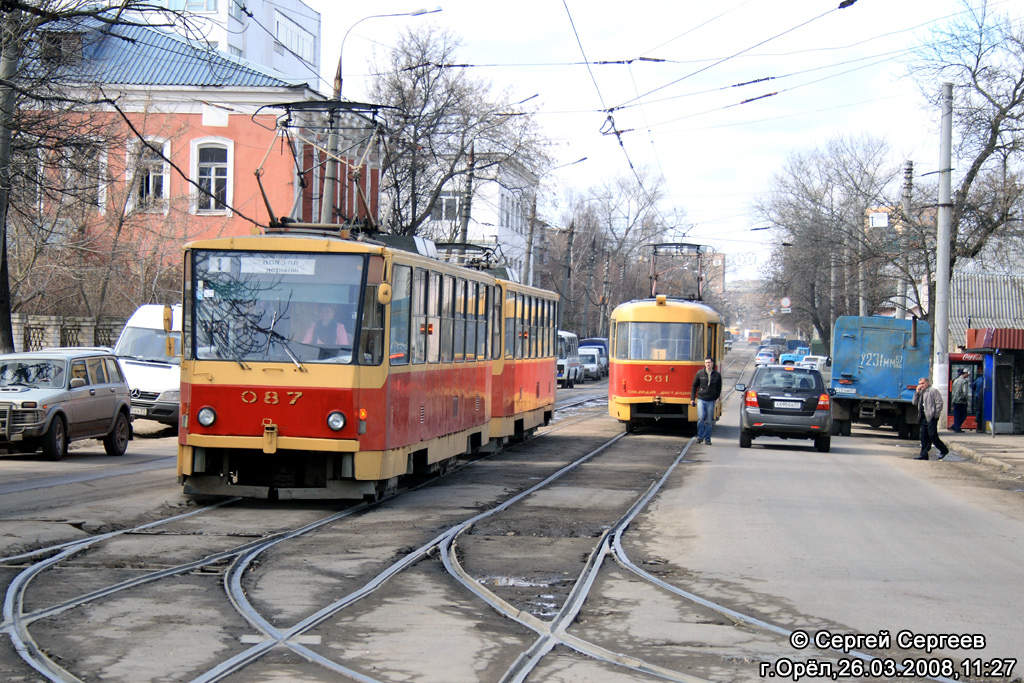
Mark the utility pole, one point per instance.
(942, 274)
(467, 201)
(566, 277)
(586, 292)
(532, 227)
(902, 304)
(604, 293)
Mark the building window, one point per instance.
(149, 166)
(212, 160)
(60, 47)
(85, 169)
(190, 5)
(446, 208)
(297, 39)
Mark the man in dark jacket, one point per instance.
(707, 387)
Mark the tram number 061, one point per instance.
(657, 379)
(272, 398)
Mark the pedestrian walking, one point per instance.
(707, 387)
(929, 404)
(979, 402)
(960, 398)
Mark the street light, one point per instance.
(528, 265)
(331, 172)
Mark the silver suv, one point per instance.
(50, 398)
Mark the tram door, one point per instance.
(714, 330)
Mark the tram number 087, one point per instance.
(271, 397)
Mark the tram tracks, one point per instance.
(453, 544)
(17, 619)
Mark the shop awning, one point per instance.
(995, 338)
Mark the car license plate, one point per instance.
(788, 405)
(138, 411)
(846, 390)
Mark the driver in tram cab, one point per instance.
(326, 331)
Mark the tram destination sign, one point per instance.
(279, 265)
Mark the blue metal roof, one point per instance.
(144, 55)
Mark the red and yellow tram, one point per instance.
(658, 345)
(317, 366)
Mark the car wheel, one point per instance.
(116, 442)
(745, 439)
(55, 441)
(845, 428)
(823, 443)
(836, 428)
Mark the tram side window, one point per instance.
(371, 333)
(471, 321)
(400, 315)
(448, 319)
(496, 322)
(460, 320)
(419, 316)
(482, 309)
(520, 324)
(510, 324)
(434, 318)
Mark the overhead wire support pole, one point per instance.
(942, 247)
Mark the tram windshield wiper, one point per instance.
(276, 337)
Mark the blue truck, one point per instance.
(876, 363)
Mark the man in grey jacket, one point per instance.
(928, 401)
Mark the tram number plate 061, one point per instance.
(788, 405)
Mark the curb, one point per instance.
(979, 458)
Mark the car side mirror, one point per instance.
(828, 362)
(831, 391)
(741, 387)
(77, 382)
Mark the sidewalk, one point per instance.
(1005, 451)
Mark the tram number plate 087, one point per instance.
(788, 405)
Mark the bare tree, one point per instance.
(443, 126)
(826, 258)
(981, 52)
(611, 226)
(54, 174)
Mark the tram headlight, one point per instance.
(206, 416)
(336, 421)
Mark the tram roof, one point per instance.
(665, 309)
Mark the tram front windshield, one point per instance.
(262, 306)
(659, 341)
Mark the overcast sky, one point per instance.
(832, 71)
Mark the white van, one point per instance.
(152, 368)
(570, 370)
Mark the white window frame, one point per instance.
(157, 204)
(100, 178)
(229, 190)
(290, 34)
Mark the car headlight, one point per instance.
(336, 421)
(206, 416)
(171, 396)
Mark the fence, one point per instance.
(35, 332)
